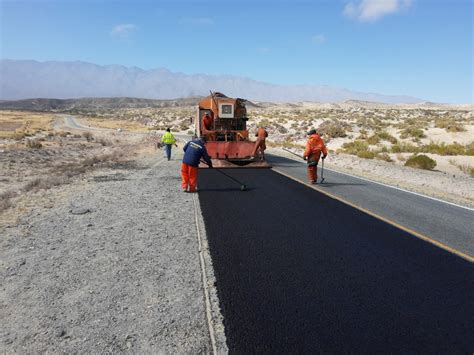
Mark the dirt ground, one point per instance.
(110, 266)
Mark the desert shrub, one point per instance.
(33, 144)
(333, 129)
(384, 157)
(402, 147)
(469, 149)
(421, 162)
(366, 154)
(104, 142)
(443, 148)
(385, 136)
(359, 148)
(413, 132)
(373, 139)
(355, 147)
(450, 125)
(5, 200)
(18, 135)
(65, 134)
(467, 169)
(88, 136)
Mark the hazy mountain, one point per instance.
(20, 79)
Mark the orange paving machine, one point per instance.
(223, 122)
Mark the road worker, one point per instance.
(193, 152)
(260, 146)
(207, 121)
(168, 140)
(314, 147)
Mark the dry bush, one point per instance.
(421, 162)
(444, 149)
(384, 157)
(385, 136)
(33, 144)
(413, 132)
(19, 135)
(5, 200)
(104, 142)
(366, 154)
(333, 129)
(88, 136)
(467, 169)
(373, 139)
(450, 125)
(44, 183)
(402, 147)
(63, 133)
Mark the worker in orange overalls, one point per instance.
(194, 151)
(314, 147)
(207, 121)
(260, 146)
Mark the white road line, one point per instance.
(393, 187)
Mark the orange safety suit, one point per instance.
(189, 176)
(207, 122)
(260, 142)
(314, 147)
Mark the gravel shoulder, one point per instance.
(112, 267)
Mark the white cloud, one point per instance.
(123, 30)
(197, 21)
(372, 10)
(318, 39)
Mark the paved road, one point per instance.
(300, 272)
(449, 224)
(71, 122)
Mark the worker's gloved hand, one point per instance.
(324, 156)
(305, 158)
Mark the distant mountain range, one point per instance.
(21, 79)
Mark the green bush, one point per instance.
(413, 132)
(421, 162)
(355, 147)
(402, 147)
(443, 148)
(385, 136)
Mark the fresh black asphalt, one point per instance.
(299, 272)
(449, 224)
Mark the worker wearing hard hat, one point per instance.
(260, 146)
(168, 140)
(314, 147)
(193, 152)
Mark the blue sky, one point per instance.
(412, 47)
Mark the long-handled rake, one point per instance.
(243, 187)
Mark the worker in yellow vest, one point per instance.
(168, 140)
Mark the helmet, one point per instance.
(311, 131)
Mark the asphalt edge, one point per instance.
(213, 310)
(423, 237)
